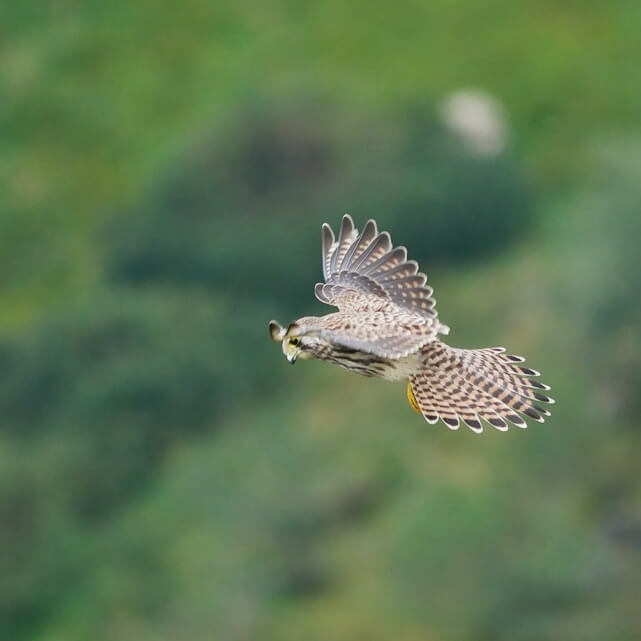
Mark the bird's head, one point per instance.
(297, 342)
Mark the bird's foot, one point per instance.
(412, 399)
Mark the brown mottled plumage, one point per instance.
(387, 326)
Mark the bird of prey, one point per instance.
(387, 326)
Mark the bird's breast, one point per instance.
(368, 364)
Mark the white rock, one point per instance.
(478, 118)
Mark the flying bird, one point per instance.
(387, 326)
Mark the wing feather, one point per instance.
(380, 246)
(363, 241)
(362, 270)
(388, 261)
(328, 244)
(346, 237)
(405, 269)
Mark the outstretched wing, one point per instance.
(364, 269)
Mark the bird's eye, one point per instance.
(294, 342)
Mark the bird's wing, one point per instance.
(388, 331)
(362, 270)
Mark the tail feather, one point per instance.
(457, 385)
(488, 371)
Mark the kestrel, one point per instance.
(387, 326)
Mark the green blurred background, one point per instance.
(164, 171)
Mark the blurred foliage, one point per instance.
(98, 395)
(213, 222)
(164, 172)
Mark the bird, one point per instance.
(387, 326)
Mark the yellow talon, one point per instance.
(412, 399)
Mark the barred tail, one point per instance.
(468, 385)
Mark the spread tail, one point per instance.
(468, 385)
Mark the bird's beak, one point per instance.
(290, 351)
